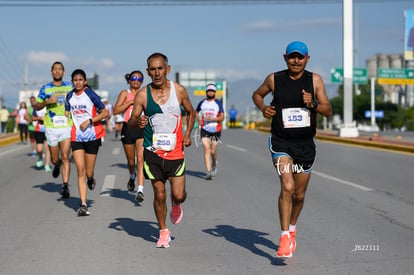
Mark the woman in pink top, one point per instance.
(132, 138)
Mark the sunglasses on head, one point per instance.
(135, 78)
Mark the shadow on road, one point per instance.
(71, 202)
(120, 165)
(196, 174)
(143, 229)
(121, 194)
(248, 239)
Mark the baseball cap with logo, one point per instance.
(297, 47)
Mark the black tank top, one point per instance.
(288, 94)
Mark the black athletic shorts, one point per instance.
(90, 147)
(32, 135)
(130, 135)
(157, 168)
(302, 152)
(213, 136)
(39, 137)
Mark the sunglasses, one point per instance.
(135, 78)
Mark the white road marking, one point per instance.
(116, 151)
(236, 148)
(13, 150)
(355, 185)
(108, 185)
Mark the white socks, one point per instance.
(141, 188)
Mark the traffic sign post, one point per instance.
(359, 75)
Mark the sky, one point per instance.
(236, 42)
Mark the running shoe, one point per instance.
(83, 210)
(65, 191)
(56, 169)
(39, 163)
(293, 240)
(209, 176)
(139, 197)
(91, 184)
(176, 212)
(285, 245)
(165, 238)
(131, 185)
(47, 168)
(214, 169)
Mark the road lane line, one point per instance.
(108, 186)
(236, 148)
(13, 150)
(361, 187)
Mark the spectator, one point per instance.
(4, 117)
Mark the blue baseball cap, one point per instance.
(297, 47)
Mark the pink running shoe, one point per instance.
(176, 212)
(165, 238)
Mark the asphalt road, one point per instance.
(358, 216)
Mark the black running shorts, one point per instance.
(157, 168)
(301, 152)
(130, 135)
(90, 147)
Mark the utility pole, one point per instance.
(348, 129)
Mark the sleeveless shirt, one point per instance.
(164, 119)
(293, 121)
(127, 113)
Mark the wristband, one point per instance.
(90, 120)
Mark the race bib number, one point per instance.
(295, 117)
(165, 142)
(60, 121)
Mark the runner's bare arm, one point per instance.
(139, 104)
(258, 96)
(324, 106)
(188, 107)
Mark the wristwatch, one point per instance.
(315, 104)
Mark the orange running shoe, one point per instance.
(164, 239)
(293, 240)
(285, 245)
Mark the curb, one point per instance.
(9, 139)
(372, 144)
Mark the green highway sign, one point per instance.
(394, 76)
(359, 76)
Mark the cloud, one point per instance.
(46, 57)
(271, 25)
(101, 63)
